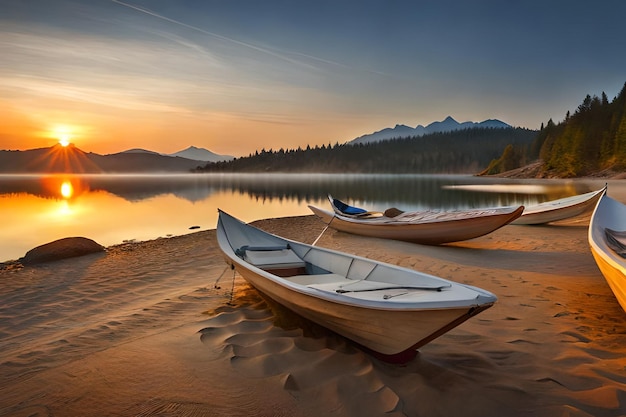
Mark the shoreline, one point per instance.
(534, 171)
(143, 329)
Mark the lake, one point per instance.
(112, 209)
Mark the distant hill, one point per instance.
(192, 152)
(139, 150)
(54, 159)
(446, 125)
(201, 154)
(70, 159)
(145, 162)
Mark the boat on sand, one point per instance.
(560, 209)
(388, 310)
(607, 240)
(430, 227)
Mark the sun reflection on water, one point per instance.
(63, 187)
(67, 190)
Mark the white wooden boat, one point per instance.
(560, 209)
(425, 227)
(388, 310)
(607, 240)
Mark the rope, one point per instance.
(217, 287)
(326, 228)
(232, 289)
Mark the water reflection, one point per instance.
(66, 189)
(417, 191)
(36, 209)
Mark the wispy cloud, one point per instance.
(112, 72)
(47, 89)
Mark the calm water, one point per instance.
(111, 209)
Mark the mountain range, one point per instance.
(70, 159)
(193, 153)
(446, 125)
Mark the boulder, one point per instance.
(68, 247)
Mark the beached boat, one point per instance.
(560, 209)
(607, 239)
(386, 309)
(428, 227)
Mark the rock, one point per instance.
(68, 247)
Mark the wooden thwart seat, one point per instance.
(278, 261)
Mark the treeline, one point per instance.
(457, 152)
(591, 140)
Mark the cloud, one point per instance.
(263, 50)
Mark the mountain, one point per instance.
(446, 125)
(54, 159)
(201, 154)
(139, 150)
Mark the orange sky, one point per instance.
(93, 130)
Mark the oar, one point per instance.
(403, 287)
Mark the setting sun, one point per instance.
(64, 140)
(63, 134)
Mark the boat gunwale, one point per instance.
(396, 305)
(571, 201)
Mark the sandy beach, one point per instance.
(151, 328)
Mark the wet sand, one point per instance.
(144, 330)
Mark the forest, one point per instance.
(588, 142)
(466, 151)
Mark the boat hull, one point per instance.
(386, 309)
(614, 276)
(387, 333)
(611, 214)
(427, 233)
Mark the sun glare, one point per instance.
(63, 134)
